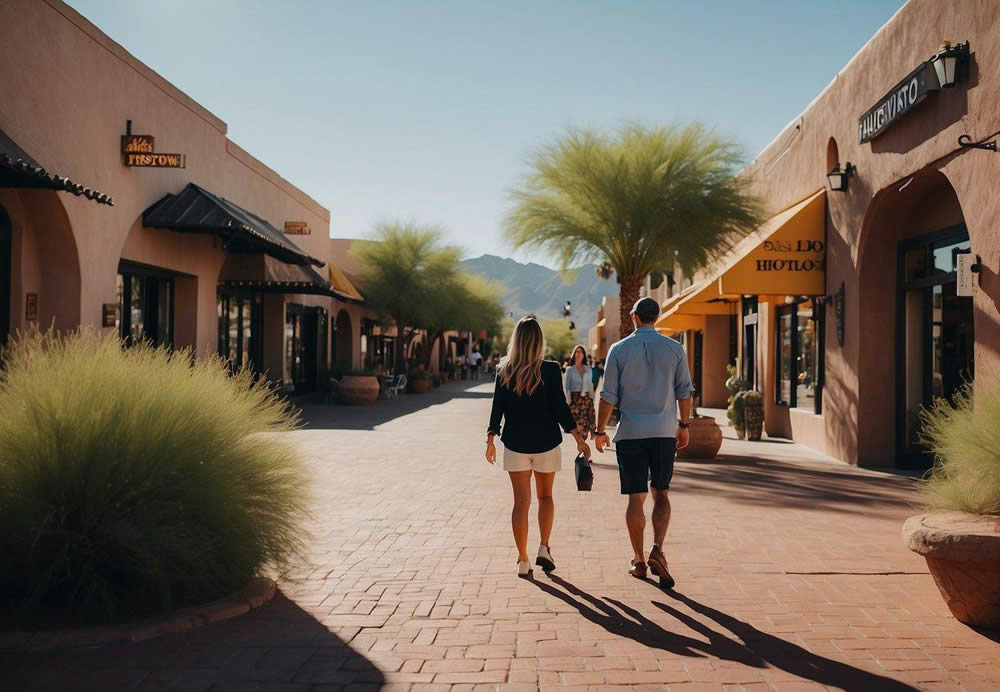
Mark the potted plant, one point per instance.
(705, 438)
(753, 414)
(736, 386)
(359, 388)
(418, 381)
(435, 381)
(959, 536)
(737, 413)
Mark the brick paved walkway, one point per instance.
(790, 575)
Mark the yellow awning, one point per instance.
(679, 323)
(785, 256)
(341, 284)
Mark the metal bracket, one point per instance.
(966, 142)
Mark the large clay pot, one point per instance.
(358, 390)
(420, 386)
(963, 555)
(706, 439)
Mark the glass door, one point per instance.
(935, 350)
(239, 330)
(145, 310)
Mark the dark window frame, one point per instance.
(152, 277)
(818, 317)
(256, 324)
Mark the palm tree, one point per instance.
(636, 203)
(400, 273)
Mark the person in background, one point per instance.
(580, 391)
(475, 360)
(528, 399)
(647, 378)
(463, 366)
(596, 372)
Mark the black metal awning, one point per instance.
(18, 169)
(270, 275)
(196, 210)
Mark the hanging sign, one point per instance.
(297, 228)
(139, 151)
(900, 100)
(967, 266)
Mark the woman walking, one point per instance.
(580, 391)
(529, 399)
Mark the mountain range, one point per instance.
(532, 288)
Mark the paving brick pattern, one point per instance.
(791, 574)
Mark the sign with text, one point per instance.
(967, 276)
(297, 228)
(900, 100)
(791, 260)
(140, 151)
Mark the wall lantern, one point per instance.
(948, 63)
(838, 178)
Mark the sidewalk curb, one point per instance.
(257, 593)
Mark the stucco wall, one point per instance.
(74, 97)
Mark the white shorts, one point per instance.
(543, 462)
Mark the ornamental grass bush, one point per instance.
(134, 481)
(965, 439)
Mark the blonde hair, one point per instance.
(520, 369)
(572, 354)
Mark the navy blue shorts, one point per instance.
(645, 462)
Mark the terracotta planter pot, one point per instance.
(754, 419)
(706, 439)
(963, 554)
(358, 390)
(421, 386)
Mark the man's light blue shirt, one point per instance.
(646, 374)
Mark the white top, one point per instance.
(575, 382)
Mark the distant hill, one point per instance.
(532, 288)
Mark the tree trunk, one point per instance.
(400, 345)
(628, 293)
(428, 353)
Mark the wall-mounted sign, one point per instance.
(109, 314)
(139, 151)
(966, 265)
(297, 228)
(31, 307)
(900, 100)
(792, 256)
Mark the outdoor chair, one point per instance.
(398, 385)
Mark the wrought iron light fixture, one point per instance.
(838, 178)
(948, 63)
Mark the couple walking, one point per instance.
(646, 376)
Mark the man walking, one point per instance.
(646, 376)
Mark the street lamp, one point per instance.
(838, 178)
(947, 63)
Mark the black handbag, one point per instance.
(584, 474)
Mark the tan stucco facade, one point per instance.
(912, 180)
(67, 105)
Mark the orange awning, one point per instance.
(341, 284)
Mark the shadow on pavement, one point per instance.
(751, 647)
(275, 645)
(757, 481)
(780, 653)
(335, 416)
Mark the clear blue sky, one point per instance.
(427, 110)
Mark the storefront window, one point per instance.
(145, 307)
(799, 365)
(239, 327)
(784, 366)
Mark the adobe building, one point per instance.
(874, 287)
(123, 205)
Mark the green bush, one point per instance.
(965, 440)
(737, 409)
(133, 481)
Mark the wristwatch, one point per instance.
(600, 432)
(682, 425)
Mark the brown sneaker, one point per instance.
(658, 565)
(638, 569)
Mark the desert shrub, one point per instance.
(737, 409)
(133, 481)
(964, 437)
